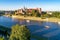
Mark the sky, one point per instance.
(46, 5)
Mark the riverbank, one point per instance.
(37, 18)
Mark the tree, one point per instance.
(20, 33)
(56, 14)
(33, 13)
(36, 13)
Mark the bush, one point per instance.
(1, 38)
(20, 33)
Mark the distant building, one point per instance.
(50, 13)
(40, 10)
(29, 11)
(19, 11)
(7, 12)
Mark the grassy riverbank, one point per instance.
(52, 19)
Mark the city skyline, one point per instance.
(46, 5)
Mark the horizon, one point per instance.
(46, 5)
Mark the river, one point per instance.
(39, 30)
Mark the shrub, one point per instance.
(20, 33)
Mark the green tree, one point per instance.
(56, 14)
(35, 13)
(20, 33)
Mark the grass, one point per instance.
(1, 38)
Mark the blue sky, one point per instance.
(46, 5)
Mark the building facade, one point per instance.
(28, 11)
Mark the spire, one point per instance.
(24, 8)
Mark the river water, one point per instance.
(39, 30)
